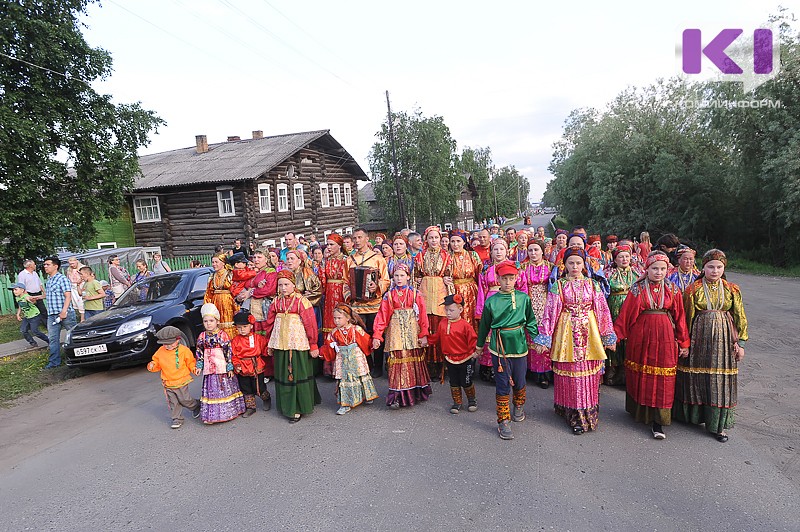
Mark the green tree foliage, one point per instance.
(67, 153)
(654, 160)
(511, 189)
(426, 160)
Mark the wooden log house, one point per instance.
(187, 201)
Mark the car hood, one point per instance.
(116, 316)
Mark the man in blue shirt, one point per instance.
(58, 296)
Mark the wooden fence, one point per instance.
(101, 272)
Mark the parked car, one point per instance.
(125, 333)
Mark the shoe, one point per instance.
(504, 429)
(577, 431)
(473, 406)
(294, 419)
(176, 424)
(455, 408)
(196, 412)
(722, 437)
(342, 410)
(33, 344)
(518, 414)
(267, 403)
(395, 405)
(544, 384)
(658, 432)
(249, 412)
(370, 401)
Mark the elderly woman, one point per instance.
(218, 292)
(706, 386)
(686, 272)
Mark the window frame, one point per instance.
(137, 209)
(220, 192)
(265, 186)
(295, 188)
(336, 188)
(285, 188)
(324, 197)
(348, 195)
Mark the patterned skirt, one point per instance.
(706, 384)
(576, 389)
(295, 387)
(432, 352)
(355, 382)
(221, 399)
(409, 380)
(538, 363)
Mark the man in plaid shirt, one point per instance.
(58, 296)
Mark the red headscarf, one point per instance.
(336, 237)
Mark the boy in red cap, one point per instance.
(457, 339)
(507, 315)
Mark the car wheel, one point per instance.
(185, 339)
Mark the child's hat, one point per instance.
(457, 299)
(243, 317)
(17, 285)
(167, 335)
(506, 268)
(237, 257)
(209, 309)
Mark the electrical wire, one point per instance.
(66, 76)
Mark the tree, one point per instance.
(512, 190)
(426, 161)
(67, 153)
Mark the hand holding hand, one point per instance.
(315, 353)
(423, 342)
(683, 352)
(612, 347)
(738, 353)
(376, 344)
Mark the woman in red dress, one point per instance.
(333, 283)
(653, 322)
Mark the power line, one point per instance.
(63, 75)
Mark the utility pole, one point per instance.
(519, 196)
(400, 203)
(494, 187)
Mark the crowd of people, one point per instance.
(510, 307)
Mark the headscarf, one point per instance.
(656, 256)
(428, 230)
(577, 253)
(594, 238)
(497, 242)
(620, 249)
(287, 274)
(683, 248)
(337, 238)
(383, 236)
(400, 236)
(209, 309)
(353, 317)
(562, 232)
(612, 238)
(223, 258)
(401, 266)
(571, 235)
(715, 254)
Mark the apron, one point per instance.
(403, 331)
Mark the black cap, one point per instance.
(237, 257)
(242, 318)
(456, 299)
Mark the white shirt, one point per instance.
(30, 280)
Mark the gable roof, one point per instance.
(235, 161)
(367, 193)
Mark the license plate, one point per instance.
(91, 350)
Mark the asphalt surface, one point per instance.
(97, 453)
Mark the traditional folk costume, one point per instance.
(457, 340)
(249, 362)
(488, 285)
(239, 281)
(681, 278)
(401, 322)
(333, 274)
(506, 317)
(575, 327)
(218, 292)
(706, 389)
(264, 286)
(292, 331)
(466, 269)
(431, 266)
(620, 281)
(652, 320)
(221, 398)
(367, 307)
(536, 278)
(176, 367)
(346, 348)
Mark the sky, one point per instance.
(503, 75)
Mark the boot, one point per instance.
(472, 402)
(455, 391)
(519, 401)
(267, 398)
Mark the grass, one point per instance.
(23, 374)
(742, 265)
(9, 329)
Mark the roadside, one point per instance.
(22, 374)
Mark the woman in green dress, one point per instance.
(620, 278)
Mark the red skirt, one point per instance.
(651, 356)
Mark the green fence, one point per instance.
(100, 271)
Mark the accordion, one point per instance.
(360, 277)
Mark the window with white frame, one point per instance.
(469, 205)
(146, 209)
(348, 230)
(338, 231)
(448, 227)
(470, 224)
(299, 203)
(326, 235)
(283, 242)
(337, 195)
(348, 195)
(264, 198)
(106, 245)
(461, 205)
(461, 225)
(283, 198)
(324, 200)
(225, 202)
(269, 243)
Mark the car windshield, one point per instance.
(150, 290)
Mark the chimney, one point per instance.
(202, 143)
(258, 134)
(233, 138)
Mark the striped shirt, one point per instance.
(56, 289)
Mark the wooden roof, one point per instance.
(235, 161)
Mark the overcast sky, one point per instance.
(503, 75)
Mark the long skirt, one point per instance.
(538, 363)
(706, 385)
(432, 352)
(296, 391)
(259, 309)
(221, 399)
(409, 380)
(650, 369)
(576, 390)
(355, 382)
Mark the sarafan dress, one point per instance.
(221, 400)
(347, 348)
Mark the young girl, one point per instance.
(620, 279)
(221, 398)
(292, 331)
(644, 247)
(402, 315)
(536, 274)
(346, 346)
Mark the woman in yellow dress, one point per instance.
(219, 293)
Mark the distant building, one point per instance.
(189, 200)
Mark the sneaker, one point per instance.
(473, 406)
(544, 384)
(176, 424)
(518, 414)
(196, 412)
(455, 408)
(504, 429)
(249, 412)
(370, 401)
(395, 405)
(342, 410)
(34, 344)
(577, 431)
(658, 432)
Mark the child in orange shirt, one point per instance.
(176, 363)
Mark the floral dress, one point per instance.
(221, 399)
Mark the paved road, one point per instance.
(96, 453)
